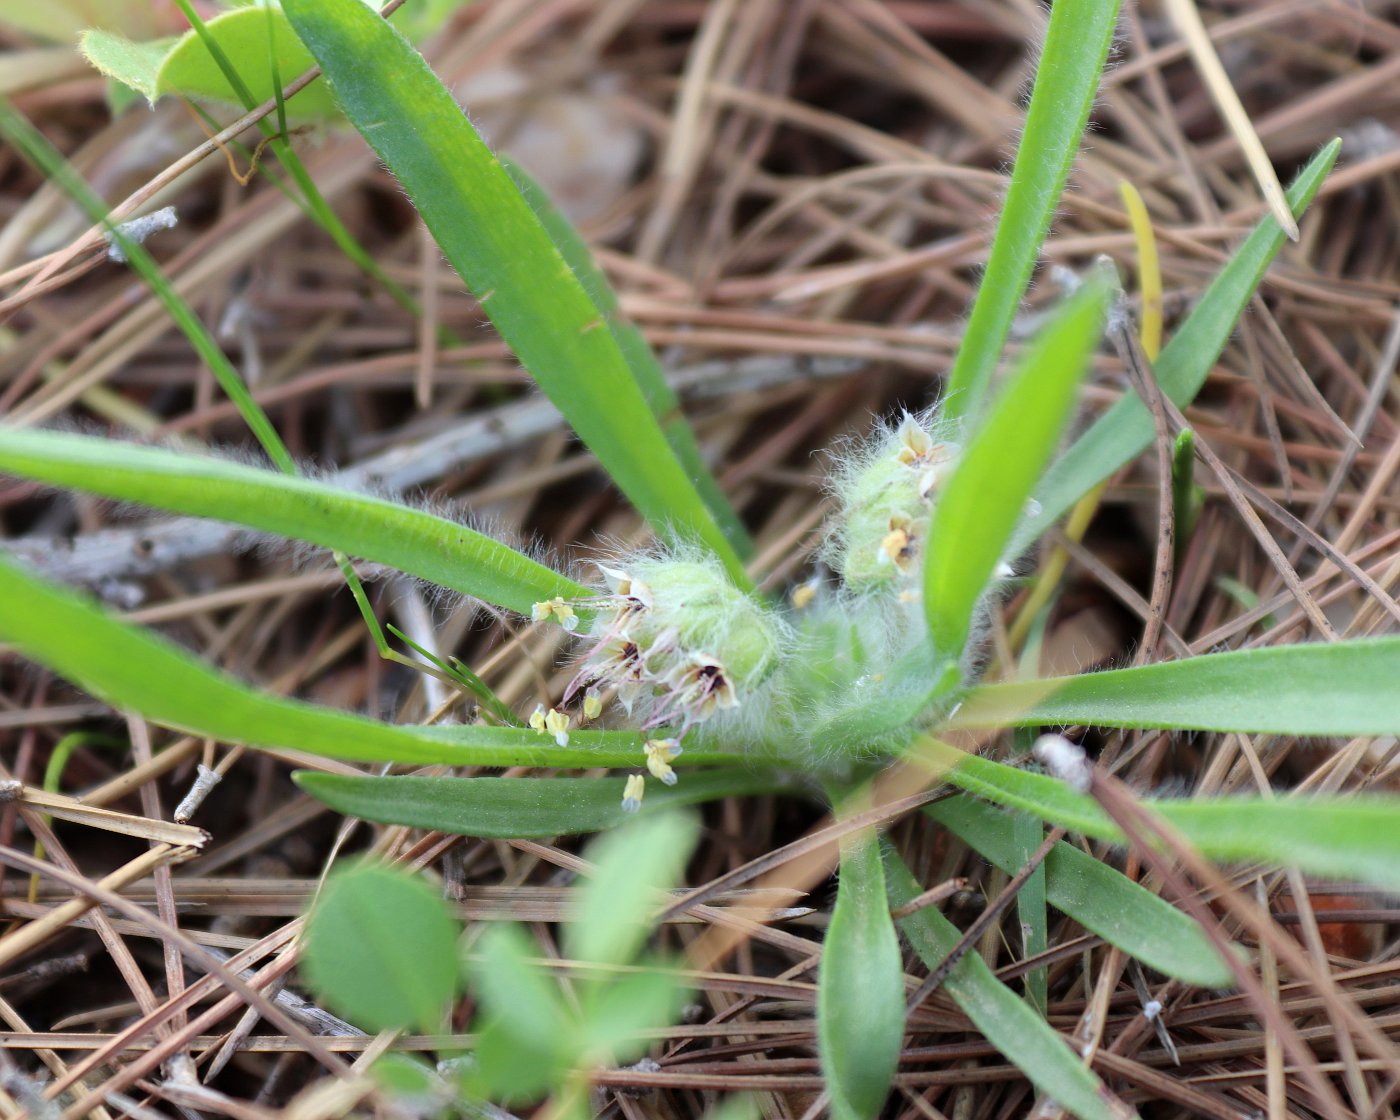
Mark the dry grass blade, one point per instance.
(128, 824)
(1188, 21)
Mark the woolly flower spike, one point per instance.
(557, 609)
(886, 496)
(677, 639)
(659, 753)
(632, 793)
(554, 723)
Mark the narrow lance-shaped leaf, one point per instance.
(1027, 834)
(651, 379)
(860, 993)
(1100, 899)
(431, 548)
(1351, 837)
(1004, 1019)
(491, 237)
(1076, 45)
(517, 808)
(1341, 688)
(132, 668)
(981, 503)
(1126, 429)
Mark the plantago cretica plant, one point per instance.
(681, 673)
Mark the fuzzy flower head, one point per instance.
(886, 493)
(677, 639)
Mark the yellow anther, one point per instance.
(659, 753)
(553, 722)
(803, 594)
(556, 609)
(898, 546)
(592, 704)
(557, 724)
(632, 793)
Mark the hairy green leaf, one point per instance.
(516, 808)
(616, 904)
(117, 57)
(1076, 45)
(493, 239)
(1341, 688)
(980, 504)
(1126, 429)
(661, 398)
(860, 992)
(1349, 837)
(253, 39)
(421, 544)
(1100, 899)
(134, 669)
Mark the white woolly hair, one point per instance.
(306, 556)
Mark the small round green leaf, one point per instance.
(251, 38)
(381, 949)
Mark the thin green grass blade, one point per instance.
(860, 992)
(517, 808)
(1100, 899)
(133, 669)
(35, 148)
(491, 237)
(15, 128)
(1126, 429)
(1344, 688)
(429, 547)
(266, 50)
(1027, 834)
(1354, 838)
(1005, 1020)
(235, 57)
(661, 398)
(1067, 78)
(979, 506)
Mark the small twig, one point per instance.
(930, 897)
(984, 920)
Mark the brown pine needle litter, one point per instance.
(794, 199)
